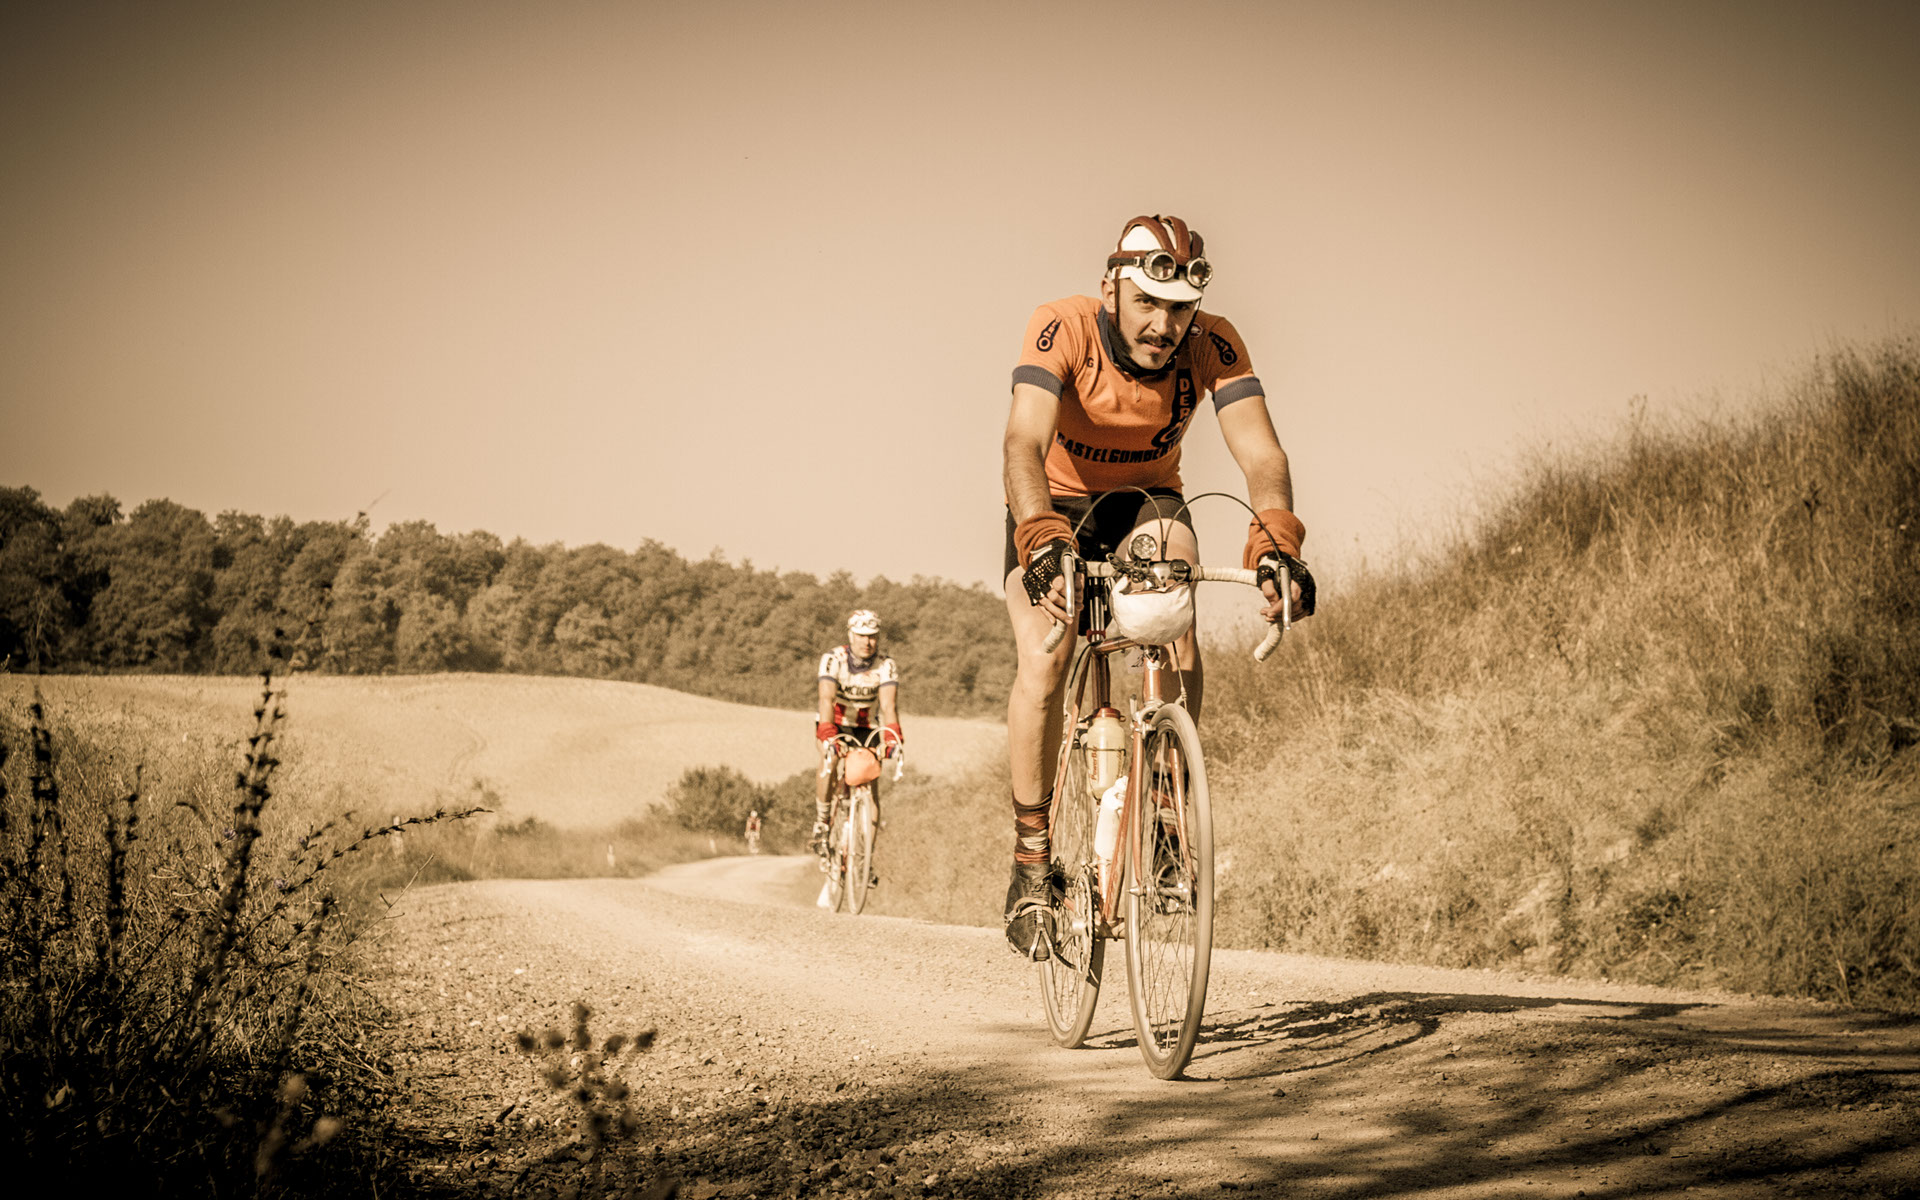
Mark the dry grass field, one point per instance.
(569, 752)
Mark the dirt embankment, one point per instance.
(801, 1053)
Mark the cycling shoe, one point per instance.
(1030, 893)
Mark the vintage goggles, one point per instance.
(1162, 267)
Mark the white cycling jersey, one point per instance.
(857, 684)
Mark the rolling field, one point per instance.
(571, 752)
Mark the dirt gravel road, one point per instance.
(801, 1053)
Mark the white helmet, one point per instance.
(1163, 257)
(864, 621)
(1152, 616)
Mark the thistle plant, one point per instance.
(588, 1075)
(164, 983)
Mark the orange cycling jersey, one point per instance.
(1117, 428)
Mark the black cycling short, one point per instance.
(1115, 516)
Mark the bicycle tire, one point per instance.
(1170, 895)
(1070, 975)
(836, 853)
(859, 847)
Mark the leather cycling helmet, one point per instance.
(1163, 257)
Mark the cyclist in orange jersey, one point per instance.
(1103, 393)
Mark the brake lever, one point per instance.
(1070, 571)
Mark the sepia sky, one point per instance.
(752, 276)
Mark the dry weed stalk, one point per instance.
(151, 1030)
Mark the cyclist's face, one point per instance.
(863, 644)
(1150, 328)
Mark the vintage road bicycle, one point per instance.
(852, 816)
(1153, 888)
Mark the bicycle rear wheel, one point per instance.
(1070, 976)
(1170, 894)
(859, 847)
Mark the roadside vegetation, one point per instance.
(177, 1007)
(1655, 718)
(182, 985)
(162, 589)
(702, 815)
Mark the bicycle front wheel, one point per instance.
(1070, 975)
(1170, 894)
(836, 859)
(859, 848)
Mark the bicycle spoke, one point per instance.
(1167, 917)
(859, 849)
(1070, 976)
(1170, 901)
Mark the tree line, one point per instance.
(164, 589)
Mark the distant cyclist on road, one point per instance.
(1104, 391)
(753, 832)
(859, 695)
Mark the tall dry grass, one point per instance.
(948, 840)
(174, 1004)
(1655, 718)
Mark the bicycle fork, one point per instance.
(1167, 810)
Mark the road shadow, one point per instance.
(1269, 1041)
(1383, 1094)
(944, 1134)
(1242, 1044)
(1618, 1096)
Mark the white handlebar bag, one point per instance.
(1153, 616)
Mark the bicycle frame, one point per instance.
(1093, 666)
(844, 802)
(1095, 670)
(1155, 889)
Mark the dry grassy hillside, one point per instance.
(1656, 717)
(571, 752)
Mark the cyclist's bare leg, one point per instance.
(823, 781)
(1033, 733)
(1033, 718)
